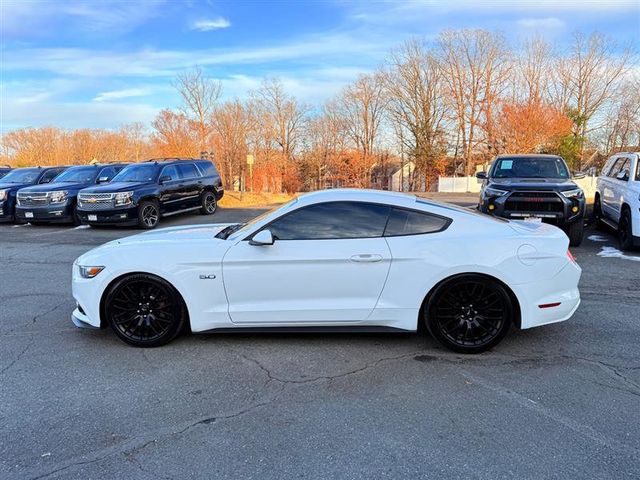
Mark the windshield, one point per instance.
(239, 229)
(137, 173)
(22, 175)
(530, 167)
(77, 175)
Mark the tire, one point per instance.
(460, 308)
(597, 214)
(625, 232)
(75, 217)
(575, 232)
(144, 310)
(148, 214)
(208, 203)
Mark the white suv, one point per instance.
(617, 201)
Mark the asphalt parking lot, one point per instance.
(560, 401)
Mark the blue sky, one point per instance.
(78, 63)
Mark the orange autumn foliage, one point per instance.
(532, 127)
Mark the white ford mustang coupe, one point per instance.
(330, 260)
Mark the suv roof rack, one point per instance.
(171, 159)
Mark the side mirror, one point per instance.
(263, 237)
(623, 175)
(165, 178)
(579, 175)
(103, 179)
(481, 175)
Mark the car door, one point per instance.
(608, 194)
(618, 186)
(170, 189)
(327, 265)
(192, 185)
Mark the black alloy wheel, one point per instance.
(148, 214)
(469, 313)
(208, 203)
(145, 310)
(625, 235)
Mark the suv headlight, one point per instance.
(576, 193)
(494, 192)
(123, 198)
(89, 272)
(3, 195)
(57, 197)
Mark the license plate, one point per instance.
(93, 218)
(28, 214)
(533, 219)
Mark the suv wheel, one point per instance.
(625, 235)
(208, 203)
(148, 214)
(575, 232)
(597, 214)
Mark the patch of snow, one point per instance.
(21, 225)
(597, 238)
(81, 227)
(610, 252)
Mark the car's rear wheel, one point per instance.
(144, 310)
(625, 235)
(148, 214)
(208, 203)
(469, 313)
(575, 232)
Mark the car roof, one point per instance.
(357, 194)
(167, 161)
(527, 155)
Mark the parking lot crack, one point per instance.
(19, 356)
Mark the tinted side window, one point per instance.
(208, 169)
(409, 222)
(333, 220)
(188, 170)
(171, 171)
(615, 169)
(50, 175)
(626, 166)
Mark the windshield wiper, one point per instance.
(226, 231)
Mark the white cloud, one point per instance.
(206, 25)
(124, 93)
(540, 23)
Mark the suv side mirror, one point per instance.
(481, 175)
(623, 175)
(103, 179)
(164, 179)
(263, 237)
(579, 175)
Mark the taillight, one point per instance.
(571, 257)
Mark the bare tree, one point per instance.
(533, 70)
(199, 96)
(622, 125)
(414, 84)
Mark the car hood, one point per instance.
(115, 187)
(55, 187)
(13, 186)
(559, 184)
(180, 234)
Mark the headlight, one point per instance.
(576, 193)
(57, 197)
(123, 198)
(494, 192)
(89, 272)
(3, 195)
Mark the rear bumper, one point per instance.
(60, 213)
(551, 300)
(116, 216)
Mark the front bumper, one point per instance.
(80, 320)
(6, 212)
(115, 216)
(555, 209)
(54, 213)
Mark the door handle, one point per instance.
(366, 258)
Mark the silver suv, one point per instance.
(617, 200)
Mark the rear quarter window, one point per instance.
(411, 222)
(208, 169)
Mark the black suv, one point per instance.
(142, 193)
(57, 201)
(538, 186)
(20, 178)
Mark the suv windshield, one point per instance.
(22, 175)
(77, 175)
(137, 173)
(530, 167)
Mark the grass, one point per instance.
(249, 200)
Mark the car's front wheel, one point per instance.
(575, 232)
(469, 313)
(144, 310)
(148, 214)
